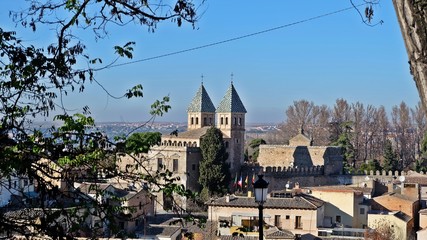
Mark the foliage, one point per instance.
(33, 82)
(390, 162)
(142, 142)
(254, 145)
(371, 165)
(344, 141)
(214, 170)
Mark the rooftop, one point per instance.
(301, 201)
(201, 102)
(231, 102)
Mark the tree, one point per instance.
(390, 162)
(214, 170)
(33, 82)
(382, 230)
(344, 141)
(372, 165)
(413, 24)
(421, 163)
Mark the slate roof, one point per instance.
(201, 102)
(301, 201)
(231, 102)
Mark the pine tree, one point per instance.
(214, 174)
(390, 158)
(348, 151)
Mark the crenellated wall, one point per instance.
(301, 157)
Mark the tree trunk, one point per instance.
(412, 17)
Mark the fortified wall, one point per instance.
(310, 177)
(301, 158)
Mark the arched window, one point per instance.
(197, 120)
(205, 121)
(226, 121)
(240, 121)
(222, 120)
(192, 120)
(235, 121)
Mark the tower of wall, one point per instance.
(201, 111)
(230, 116)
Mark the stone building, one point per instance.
(301, 154)
(180, 153)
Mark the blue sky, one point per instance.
(320, 60)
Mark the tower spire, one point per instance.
(232, 75)
(202, 78)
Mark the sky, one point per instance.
(319, 60)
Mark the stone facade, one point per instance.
(180, 153)
(286, 156)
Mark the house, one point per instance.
(300, 214)
(422, 233)
(397, 202)
(344, 206)
(134, 205)
(395, 222)
(16, 189)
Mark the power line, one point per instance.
(233, 39)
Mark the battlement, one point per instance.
(294, 171)
(391, 173)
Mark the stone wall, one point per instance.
(310, 177)
(286, 156)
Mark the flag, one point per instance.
(246, 180)
(235, 181)
(240, 181)
(253, 178)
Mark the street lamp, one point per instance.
(260, 189)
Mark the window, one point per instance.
(222, 120)
(240, 121)
(205, 121)
(192, 121)
(277, 222)
(362, 211)
(140, 205)
(287, 217)
(210, 121)
(338, 219)
(298, 223)
(159, 163)
(235, 121)
(197, 120)
(193, 167)
(226, 121)
(175, 165)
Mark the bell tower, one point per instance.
(201, 111)
(231, 121)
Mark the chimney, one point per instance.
(227, 198)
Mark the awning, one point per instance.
(249, 214)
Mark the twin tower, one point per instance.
(229, 117)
